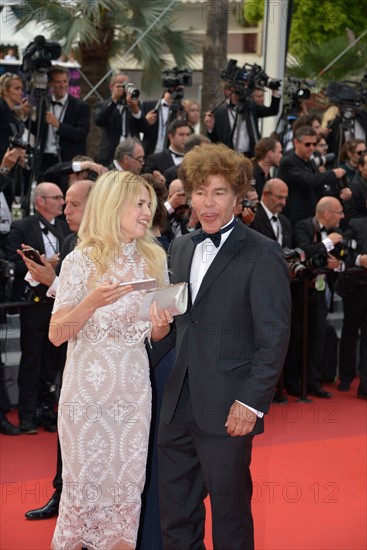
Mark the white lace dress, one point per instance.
(104, 411)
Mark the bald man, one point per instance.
(318, 236)
(39, 361)
(268, 218)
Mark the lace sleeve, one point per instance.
(73, 280)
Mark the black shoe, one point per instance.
(27, 428)
(318, 391)
(343, 386)
(8, 429)
(49, 510)
(361, 393)
(279, 398)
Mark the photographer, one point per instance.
(159, 114)
(356, 207)
(119, 117)
(349, 157)
(235, 122)
(11, 104)
(268, 154)
(79, 168)
(306, 185)
(318, 236)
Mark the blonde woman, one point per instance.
(105, 402)
(193, 112)
(11, 102)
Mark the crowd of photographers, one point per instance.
(312, 202)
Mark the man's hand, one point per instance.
(52, 119)
(339, 172)
(345, 194)
(363, 260)
(93, 167)
(151, 117)
(240, 420)
(177, 199)
(335, 237)
(12, 156)
(133, 104)
(332, 262)
(117, 92)
(44, 274)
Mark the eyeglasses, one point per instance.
(139, 159)
(309, 144)
(55, 198)
(322, 145)
(359, 153)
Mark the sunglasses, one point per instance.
(309, 144)
(359, 153)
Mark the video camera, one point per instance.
(39, 54)
(295, 91)
(175, 81)
(244, 80)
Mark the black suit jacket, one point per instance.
(7, 117)
(159, 161)
(261, 223)
(73, 130)
(108, 116)
(222, 130)
(232, 341)
(305, 185)
(151, 131)
(356, 206)
(28, 231)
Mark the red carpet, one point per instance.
(309, 472)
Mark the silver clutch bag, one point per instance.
(172, 297)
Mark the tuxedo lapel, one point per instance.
(36, 229)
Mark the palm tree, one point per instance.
(103, 30)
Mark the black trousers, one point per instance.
(40, 360)
(193, 464)
(355, 319)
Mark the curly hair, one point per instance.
(215, 159)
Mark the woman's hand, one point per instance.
(106, 294)
(161, 320)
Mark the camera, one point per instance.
(344, 249)
(175, 78)
(322, 160)
(253, 205)
(131, 89)
(300, 267)
(7, 269)
(244, 80)
(296, 90)
(348, 93)
(39, 54)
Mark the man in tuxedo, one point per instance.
(230, 348)
(64, 122)
(119, 117)
(39, 363)
(178, 133)
(352, 286)
(235, 123)
(268, 154)
(268, 218)
(306, 184)
(318, 236)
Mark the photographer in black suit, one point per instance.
(268, 218)
(116, 117)
(305, 184)
(64, 122)
(317, 236)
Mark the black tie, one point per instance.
(275, 219)
(56, 103)
(214, 237)
(44, 230)
(179, 155)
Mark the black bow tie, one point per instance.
(274, 219)
(214, 237)
(178, 155)
(165, 105)
(56, 103)
(44, 230)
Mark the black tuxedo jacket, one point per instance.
(222, 130)
(262, 224)
(305, 185)
(159, 161)
(307, 235)
(232, 341)
(151, 131)
(28, 231)
(73, 130)
(356, 206)
(7, 117)
(108, 116)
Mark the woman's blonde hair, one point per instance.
(100, 232)
(6, 81)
